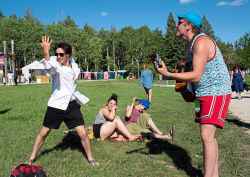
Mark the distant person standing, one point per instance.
(62, 106)
(10, 78)
(237, 81)
(210, 80)
(146, 81)
(15, 75)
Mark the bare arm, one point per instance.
(130, 108)
(109, 114)
(200, 58)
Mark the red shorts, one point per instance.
(213, 109)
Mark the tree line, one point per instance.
(102, 50)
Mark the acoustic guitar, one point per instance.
(184, 87)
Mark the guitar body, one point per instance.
(180, 86)
(185, 88)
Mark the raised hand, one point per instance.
(133, 101)
(114, 108)
(163, 70)
(45, 44)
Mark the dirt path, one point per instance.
(241, 110)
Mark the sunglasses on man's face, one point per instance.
(181, 22)
(60, 54)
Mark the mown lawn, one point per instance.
(21, 113)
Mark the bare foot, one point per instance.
(93, 162)
(119, 139)
(134, 137)
(31, 160)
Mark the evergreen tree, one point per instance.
(207, 27)
(68, 22)
(89, 30)
(174, 46)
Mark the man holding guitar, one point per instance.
(210, 80)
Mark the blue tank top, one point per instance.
(215, 80)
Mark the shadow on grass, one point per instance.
(238, 122)
(180, 157)
(5, 110)
(70, 141)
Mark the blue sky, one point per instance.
(229, 18)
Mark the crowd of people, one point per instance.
(205, 71)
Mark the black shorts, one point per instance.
(147, 89)
(97, 130)
(72, 117)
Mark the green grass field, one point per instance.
(21, 114)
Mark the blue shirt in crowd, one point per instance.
(146, 78)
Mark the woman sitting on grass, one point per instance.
(140, 122)
(108, 125)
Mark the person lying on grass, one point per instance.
(138, 121)
(108, 125)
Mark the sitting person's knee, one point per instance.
(117, 118)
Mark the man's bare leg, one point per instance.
(82, 133)
(40, 139)
(210, 150)
(150, 92)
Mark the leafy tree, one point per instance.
(243, 50)
(113, 49)
(228, 52)
(106, 61)
(127, 36)
(30, 32)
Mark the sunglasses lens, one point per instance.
(179, 23)
(60, 54)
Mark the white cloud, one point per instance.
(238, 2)
(232, 3)
(104, 14)
(186, 1)
(222, 3)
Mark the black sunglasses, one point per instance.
(60, 54)
(181, 21)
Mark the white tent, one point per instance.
(36, 65)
